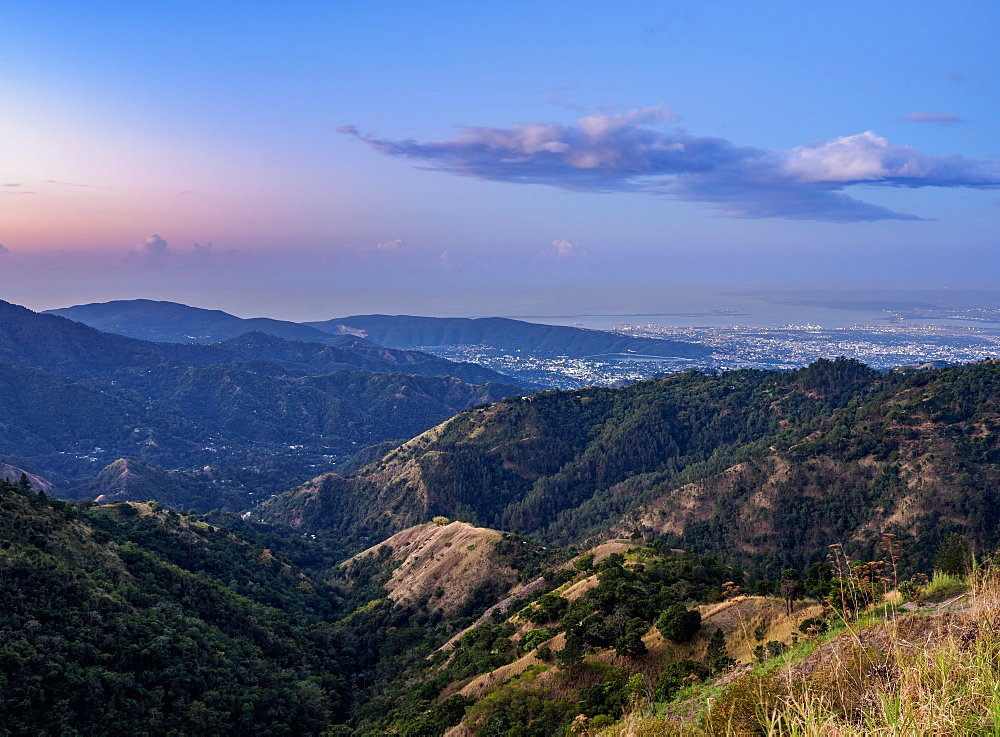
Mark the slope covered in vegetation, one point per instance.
(71, 396)
(771, 465)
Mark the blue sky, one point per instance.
(316, 159)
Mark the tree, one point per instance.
(791, 588)
(571, 656)
(819, 579)
(762, 587)
(717, 658)
(550, 606)
(678, 624)
(630, 644)
(955, 557)
(678, 674)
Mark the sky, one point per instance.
(315, 159)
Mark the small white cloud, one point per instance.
(924, 117)
(153, 248)
(394, 245)
(566, 249)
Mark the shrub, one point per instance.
(678, 624)
(814, 626)
(533, 638)
(584, 562)
(676, 676)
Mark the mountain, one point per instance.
(128, 619)
(127, 479)
(13, 474)
(310, 358)
(296, 348)
(405, 331)
(73, 397)
(451, 568)
(170, 322)
(771, 466)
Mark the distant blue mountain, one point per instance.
(170, 322)
(405, 331)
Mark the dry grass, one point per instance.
(441, 564)
(911, 675)
(935, 674)
(918, 674)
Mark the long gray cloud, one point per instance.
(633, 152)
(923, 117)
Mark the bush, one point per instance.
(534, 638)
(549, 607)
(678, 624)
(819, 623)
(676, 676)
(584, 562)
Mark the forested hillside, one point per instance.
(73, 399)
(771, 464)
(128, 617)
(133, 619)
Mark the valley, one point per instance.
(375, 547)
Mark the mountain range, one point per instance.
(769, 465)
(170, 322)
(73, 396)
(492, 561)
(177, 323)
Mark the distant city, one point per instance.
(882, 347)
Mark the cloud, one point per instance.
(942, 118)
(394, 245)
(152, 250)
(638, 152)
(3, 249)
(555, 98)
(565, 249)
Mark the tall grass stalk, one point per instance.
(917, 675)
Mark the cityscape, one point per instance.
(883, 347)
